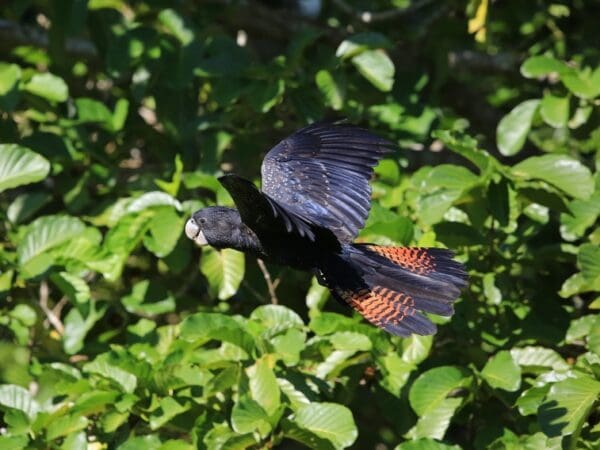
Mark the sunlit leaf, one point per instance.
(19, 165)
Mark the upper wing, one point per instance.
(321, 174)
(263, 214)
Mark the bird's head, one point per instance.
(216, 226)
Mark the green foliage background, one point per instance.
(115, 120)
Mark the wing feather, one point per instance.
(321, 174)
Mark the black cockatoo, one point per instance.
(315, 198)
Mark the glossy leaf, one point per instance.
(19, 166)
(513, 128)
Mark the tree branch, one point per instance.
(13, 34)
(50, 315)
(272, 286)
(380, 16)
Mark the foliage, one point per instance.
(116, 118)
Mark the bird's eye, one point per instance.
(202, 220)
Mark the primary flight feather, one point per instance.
(315, 198)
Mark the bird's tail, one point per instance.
(391, 286)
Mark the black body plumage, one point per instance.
(315, 198)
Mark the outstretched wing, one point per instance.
(321, 175)
(260, 212)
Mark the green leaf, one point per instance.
(539, 66)
(584, 83)
(101, 366)
(176, 25)
(165, 230)
(168, 408)
(351, 341)
(377, 67)
(425, 444)
(263, 385)
(248, 416)
(564, 172)
(435, 422)
(568, 405)
(332, 88)
(42, 235)
(207, 326)
(555, 110)
(10, 75)
(148, 298)
(19, 166)
(588, 260)
(432, 387)
(513, 128)
(360, 42)
(224, 270)
(329, 421)
(502, 372)
(72, 286)
(78, 324)
(415, 348)
(531, 399)
(538, 357)
(276, 318)
(65, 425)
(48, 86)
(18, 398)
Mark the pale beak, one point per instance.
(193, 231)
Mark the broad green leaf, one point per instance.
(207, 326)
(312, 440)
(66, 425)
(531, 399)
(148, 298)
(18, 398)
(555, 110)
(432, 387)
(101, 366)
(435, 422)
(13, 442)
(332, 88)
(348, 340)
(564, 172)
(48, 86)
(580, 328)
(360, 42)
(19, 165)
(329, 421)
(539, 66)
(513, 128)
(538, 357)
(377, 67)
(449, 176)
(317, 295)
(42, 235)
(295, 397)
(248, 416)
(176, 25)
(26, 205)
(276, 318)
(568, 405)
(168, 408)
(263, 385)
(147, 442)
(425, 444)
(588, 259)
(415, 348)
(10, 74)
(90, 110)
(502, 372)
(584, 83)
(395, 372)
(75, 288)
(224, 270)
(164, 231)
